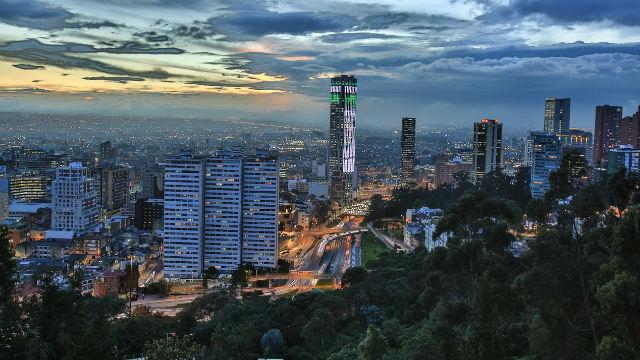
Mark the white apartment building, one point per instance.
(183, 216)
(74, 200)
(220, 211)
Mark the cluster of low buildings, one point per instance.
(63, 214)
(420, 227)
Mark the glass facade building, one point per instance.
(557, 115)
(487, 148)
(546, 156)
(408, 150)
(342, 142)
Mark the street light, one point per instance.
(130, 282)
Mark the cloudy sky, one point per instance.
(443, 61)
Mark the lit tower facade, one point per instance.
(606, 132)
(408, 150)
(342, 142)
(557, 115)
(487, 148)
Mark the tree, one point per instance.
(376, 208)
(352, 275)
(211, 273)
(162, 288)
(132, 333)
(233, 341)
(284, 266)
(10, 326)
(537, 210)
(473, 212)
(621, 186)
(611, 348)
(373, 346)
(7, 267)
(272, 342)
(319, 331)
(570, 176)
(173, 349)
(346, 353)
(320, 211)
(240, 276)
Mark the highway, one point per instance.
(328, 259)
(391, 242)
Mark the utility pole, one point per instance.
(130, 282)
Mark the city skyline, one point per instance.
(271, 60)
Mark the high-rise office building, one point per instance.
(580, 141)
(446, 171)
(148, 212)
(152, 184)
(408, 150)
(342, 142)
(74, 204)
(31, 158)
(557, 115)
(624, 156)
(318, 170)
(630, 130)
(606, 132)
(282, 173)
(220, 211)
(105, 151)
(547, 152)
(487, 148)
(114, 187)
(29, 186)
(4, 193)
(528, 152)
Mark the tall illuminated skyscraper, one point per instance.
(408, 150)
(487, 148)
(342, 142)
(557, 115)
(606, 132)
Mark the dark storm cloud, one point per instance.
(217, 84)
(90, 24)
(118, 79)
(257, 22)
(152, 36)
(126, 48)
(41, 15)
(155, 3)
(24, 90)
(619, 11)
(58, 55)
(382, 21)
(198, 31)
(32, 13)
(28, 66)
(347, 37)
